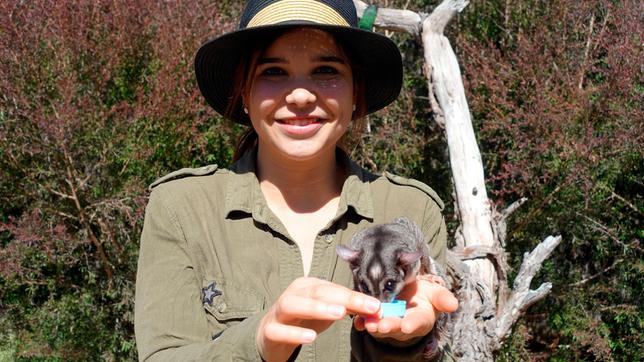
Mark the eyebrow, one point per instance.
(265, 60)
(330, 59)
(320, 58)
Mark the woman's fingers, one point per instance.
(442, 299)
(287, 334)
(295, 307)
(354, 302)
(418, 321)
(382, 326)
(358, 323)
(431, 300)
(389, 328)
(415, 324)
(307, 307)
(425, 301)
(358, 303)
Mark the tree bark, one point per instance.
(474, 208)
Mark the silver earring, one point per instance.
(354, 107)
(245, 110)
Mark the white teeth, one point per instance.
(299, 122)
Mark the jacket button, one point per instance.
(222, 307)
(328, 238)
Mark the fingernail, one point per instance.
(336, 310)
(308, 336)
(372, 305)
(371, 324)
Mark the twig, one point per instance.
(83, 217)
(633, 207)
(500, 226)
(601, 32)
(58, 193)
(602, 228)
(513, 207)
(595, 276)
(586, 52)
(544, 202)
(65, 215)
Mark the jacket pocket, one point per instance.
(230, 302)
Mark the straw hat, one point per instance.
(377, 57)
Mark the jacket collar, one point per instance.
(244, 194)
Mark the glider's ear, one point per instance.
(347, 254)
(409, 258)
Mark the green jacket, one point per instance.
(214, 257)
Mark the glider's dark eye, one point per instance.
(364, 288)
(390, 286)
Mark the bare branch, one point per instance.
(586, 280)
(513, 207)
(532, 261)
(82, 216)
(602, 228)
(476, 252)
(517, 305)
(601, 32)
(58, 193)
(405, 21)
(500, 226)
(582, 71)
(626, 202)
(522, 297)
(442, 15)
(66, 215)
(506, 14)
(497, 257)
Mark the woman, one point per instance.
(240, 264)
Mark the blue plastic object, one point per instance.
(394, 309)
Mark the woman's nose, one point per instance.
(300, 97)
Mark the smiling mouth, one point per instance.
(300, 121)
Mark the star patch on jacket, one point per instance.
(209, 293)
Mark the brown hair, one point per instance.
(243, 78)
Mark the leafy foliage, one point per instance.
(98, 98)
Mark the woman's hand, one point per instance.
(425, 300)
(306, 308)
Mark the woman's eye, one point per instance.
(325, 70)
(273, 71)
(390, 286)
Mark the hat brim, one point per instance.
(378, 59)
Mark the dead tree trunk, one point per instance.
(477, 266)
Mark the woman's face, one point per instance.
(301, 97)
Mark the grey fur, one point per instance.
(384, 258)
(400, 252)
